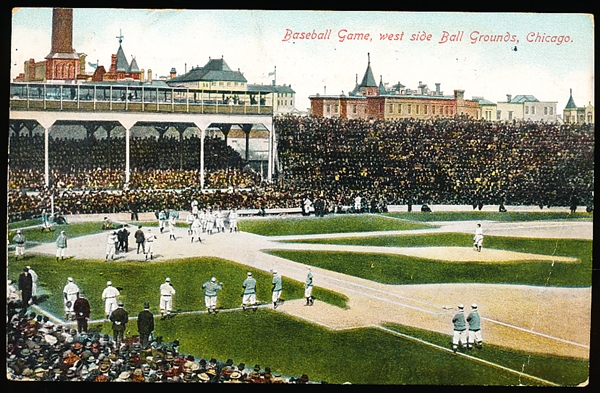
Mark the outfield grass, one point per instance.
(359, 356)
(492, 216)
(399, 269)
(328, 224)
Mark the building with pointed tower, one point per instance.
(372, 100)
(120, 68)
(572, 114)
(63, 64)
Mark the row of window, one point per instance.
(547, 110)
(439, 110)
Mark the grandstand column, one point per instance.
(46, 121)
(128, 124)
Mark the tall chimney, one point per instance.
(508, 97)
(62, 30)
(437, 88)
(149, 76)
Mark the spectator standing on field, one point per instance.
(474, 321)
(210, 294)
(140, 239)
(459, 336)
(19, 240)
(145, 323)
(34, 286)
(82, 310)
(119, 318)
(26, 287)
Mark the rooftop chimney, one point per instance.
(508, 97)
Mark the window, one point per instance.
(498, 115)
(354, 108)
(409, 109)
(526, 110)
(425, 109)
(545, 110)
(533, 110)
(336, 108)
(327, 108)
(433, 110)
(551, 110)
(510, 115)
(399, 109)
(417, 109)
(391, 108)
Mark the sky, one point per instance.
(487, 55)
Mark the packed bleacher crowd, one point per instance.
(410, 161)
(40, 350)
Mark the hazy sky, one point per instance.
(492, 57)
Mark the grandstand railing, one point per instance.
(125, 98)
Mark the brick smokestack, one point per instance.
(62, 30)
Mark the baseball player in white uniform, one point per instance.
(233, 218)
(70, 294)
(478, 238)
(308, 288)
(34, 283)
(172, 222)
(150, 238)
(166, 298)
(109, 296)
(111, 245)
(196, 230)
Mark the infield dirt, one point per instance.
(543, 320)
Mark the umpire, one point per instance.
(145, 323)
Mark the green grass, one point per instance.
(359, 356)
(560, 370)
(327, 224)
(140, 282)
(492, 216)
(401, 270)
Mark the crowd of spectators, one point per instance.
(40, 350)
(391, 162)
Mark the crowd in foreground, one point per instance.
(39, 350)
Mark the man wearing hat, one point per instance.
(140, 238)
(34, 282)
(119, 318)
(166, 298)
(19, 240)
(474, 321)
(249, 294)
(145, 324)
(82, 311)
(61, 245)
(111, 245)
(277, 287)
(308, 287)
(210, 294)
(109, 296)
(26, 287)
(459, 335)
(150, 238)
(70, 294)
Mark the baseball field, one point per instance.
(386, 289)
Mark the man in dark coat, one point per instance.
(26, 287)
(145, 323)
(119, 318)
(140, 238)
(81, 308)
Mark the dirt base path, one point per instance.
(521, 317)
